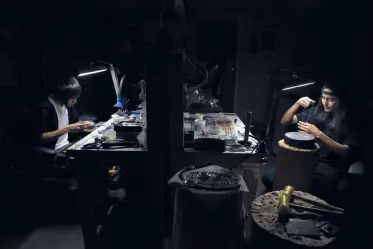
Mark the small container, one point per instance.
(199, 116)
(114, 177)
(135, 115)
(199, 125)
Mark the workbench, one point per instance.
(223, 126)
(105, 129)
(92, 166)
(246, 160)
(270, 232)
(165, 155)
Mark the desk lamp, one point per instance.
(298, 86)
(93, 70)
(277, 87)
(102, 66)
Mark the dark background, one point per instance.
(39, 40)
(322, 39)
(325, 40)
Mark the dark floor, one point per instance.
(29, 229)
(38, 216)
(55, 236)
(57, 226)
(58, 234)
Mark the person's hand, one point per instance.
(76, 126)
(309, 128)
(305, 102)
(88, 123)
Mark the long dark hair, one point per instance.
(335, 121)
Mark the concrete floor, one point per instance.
(57, 236)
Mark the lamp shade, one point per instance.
(92, 70)
(119, 103)
(298, 86)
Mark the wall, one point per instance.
(252, 78)
(333, 46)
(8, 75)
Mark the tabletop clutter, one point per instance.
(222, 131)
(121, 131)
(297, 216)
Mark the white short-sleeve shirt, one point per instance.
(63, 121)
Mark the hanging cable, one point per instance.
(309, 113)
(161, 16)
(245, 157)
(202, 73)
(206, 74)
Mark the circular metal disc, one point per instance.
(300, 140)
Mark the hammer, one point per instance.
(285, 204)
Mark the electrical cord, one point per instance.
(242, 160)
(256, 138)
(206, 74)
(202, 73)
(190, 58)
(260, 140)
(309, 113)
(161, 17)
(314, 113)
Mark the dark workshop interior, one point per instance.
(180, 124)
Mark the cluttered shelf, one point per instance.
(208, 132)
(217, 132)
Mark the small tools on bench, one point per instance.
(286, 203)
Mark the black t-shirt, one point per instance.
(344, 136)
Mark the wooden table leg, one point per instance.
(251, 175)
(87, 199)
(89, 225)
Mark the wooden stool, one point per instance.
(296, 161)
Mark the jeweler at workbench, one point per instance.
(327, 121)
(57, 117)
